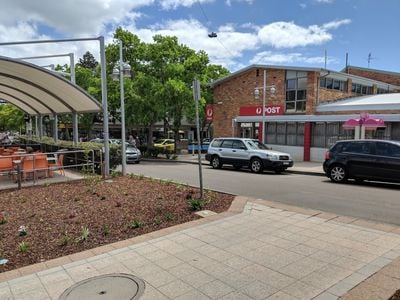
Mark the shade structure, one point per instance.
(368, 123)
(38, 91)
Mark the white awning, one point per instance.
(364, 103)
(38, 91)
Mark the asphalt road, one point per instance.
(374, 201)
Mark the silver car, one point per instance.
(240, 152)
(133, 155)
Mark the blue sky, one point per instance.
(275, 32)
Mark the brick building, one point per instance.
(305, 112)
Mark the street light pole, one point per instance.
(121, 81)
(263, 108)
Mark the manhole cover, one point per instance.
(104, 287)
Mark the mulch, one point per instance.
(55, 216)
(396, 296)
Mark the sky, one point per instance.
(273, 32)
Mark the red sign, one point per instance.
(257, 110)
(209, 113)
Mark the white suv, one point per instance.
(240, 152)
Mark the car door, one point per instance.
(225, 151)
(388, 161)
(239, 153)
(360, 159)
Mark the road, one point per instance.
(374, 201)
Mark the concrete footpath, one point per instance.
(301, 167)
(257, 250)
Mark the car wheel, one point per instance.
(338, 173)
(216, 162)
(256, 165)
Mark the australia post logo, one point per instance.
(209, 113)
(257, 110)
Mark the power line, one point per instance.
(208, 21)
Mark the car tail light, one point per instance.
(328, 155)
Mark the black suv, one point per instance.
(363, 159)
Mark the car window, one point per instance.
(216, 143)
(227, 144)
(339, 147)
(238, 144)
(387, 149)
(358, 147)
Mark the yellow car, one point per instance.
(165, 144)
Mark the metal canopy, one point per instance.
(38, 91)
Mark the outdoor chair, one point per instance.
(58, 165)
(6, 165)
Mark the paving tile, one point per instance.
(303, 267)
(5, 293)
(237, 262)
(236, 296)
(268, 276)
(198, 278)
(326, 296)
(159, 279)
(150, 293)
(237, 279)
(301, 290)
(369, 269)
(168, 262)
(182, 270)
(340, 288)
(281, 296)
(53, 277)
(57, 288)
(325, 256)
(258, 290)
(194, 295)
(355, 278)
(25, 284)
(215, 289)
(303, 249)
(175, 289)
(82, 272)
(392, 254)
(148, 268)
(37, 294)
(348, 263)
(381, 261)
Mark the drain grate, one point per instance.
(106, 287)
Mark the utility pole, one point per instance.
(196, 96)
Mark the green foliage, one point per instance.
(3, 221)
(195, 204)
(135, 224)
(105, 230)
(168, 216)
(157, 221)
(65, 240)
(23, 247)
(11, 117)
(84, 234)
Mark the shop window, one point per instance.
(336, 85)
(333, 84)
(301, 95)
(329, 83)
(322, 82)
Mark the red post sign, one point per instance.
(257, 110)
(209, 113)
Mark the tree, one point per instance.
(88, 61)
(11, 117)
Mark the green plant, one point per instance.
(135, 224)
(116, 173)
(105, 230)
(84, 234)
(157, 221)
(168, 216)
(3, 221)
(46, 184)
(23, 247)
(131, 175)
(196, 204)
(65, 239)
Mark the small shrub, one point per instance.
(105, 230)
(196, 204)
(131, 175)
(84, 234)
(2, 219)
(168, 216)
(65, 240)
(46, 184)
(116, 174)
(157, 221)
(23, 247)
(135, 224)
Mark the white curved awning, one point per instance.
(38, 91)
(378, 102)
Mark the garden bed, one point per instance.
(66, 218)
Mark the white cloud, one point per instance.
(277, 58)
(303, 5)
(290, 35)
(325, 1)
(174, 4)
(229, 2)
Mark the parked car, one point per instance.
(165, 144)
(363, 160)
(241, 152)
(133, 154)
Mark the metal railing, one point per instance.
(23, 166)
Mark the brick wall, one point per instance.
(384, 77)
(239, 91)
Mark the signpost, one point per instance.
(196, 96)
